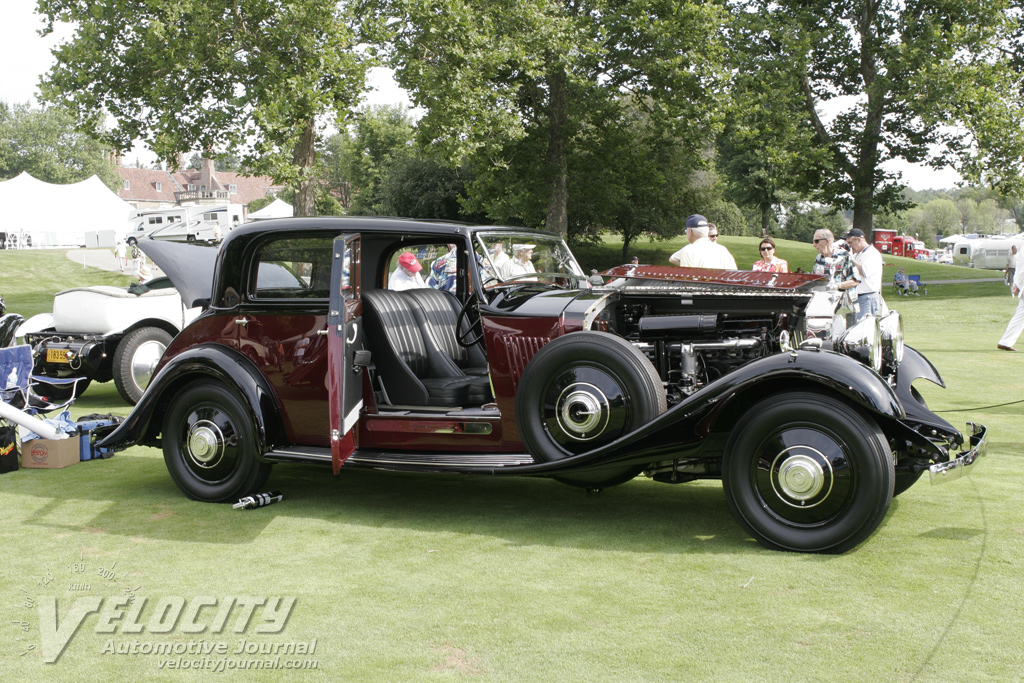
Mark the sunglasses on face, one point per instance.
(820, 239)
(767, 248)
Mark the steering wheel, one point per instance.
(474, 332)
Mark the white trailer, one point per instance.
(191, 222)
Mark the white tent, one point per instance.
(275, 209)
(49, 215)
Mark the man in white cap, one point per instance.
(407, 274)
(867, 274)
(701, 252)
(520, 263)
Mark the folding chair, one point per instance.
(30, 393)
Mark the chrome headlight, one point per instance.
(863, 342)
(891, 329)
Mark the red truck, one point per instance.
(888, 242)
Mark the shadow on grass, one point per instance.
(133, 496)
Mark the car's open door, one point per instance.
(346, 355)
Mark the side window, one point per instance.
(424, 265)
(294, 268)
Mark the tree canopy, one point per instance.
(43, 143)
(250, 76)
(902, 70)
(519, 84)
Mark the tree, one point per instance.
(636, 178)
(767, 148)
(943, 216)
(250, 76)
(505, 80)
(419, 186)
(380, 136)
(898, 65)
(42, 142)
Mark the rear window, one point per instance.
(294, 268)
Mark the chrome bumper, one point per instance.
(961, 465)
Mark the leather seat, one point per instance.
(408, 359)
(438, 313)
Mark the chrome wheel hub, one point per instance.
(803, 478)
(205, 444)
(144, 360)
(583, 411)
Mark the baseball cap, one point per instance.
(520, 247)
(407, 260)
(856, 232)
(696, 221)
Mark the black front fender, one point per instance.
(719, 407)
(207, 362)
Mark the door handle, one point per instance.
(241, 321)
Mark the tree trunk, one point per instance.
(863, 209)
(765, 215)
(558, 157)
(305, 158)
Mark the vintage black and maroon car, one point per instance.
(518, 365)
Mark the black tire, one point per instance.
(210, 444)
(582, 391)
(807, 473)
(136, 356)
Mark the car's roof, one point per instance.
(360, 224)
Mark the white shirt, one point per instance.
(868, 270)
(703, 253)
(517, 267)
(400, 280)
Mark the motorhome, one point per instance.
(190, 222)
(991, 253)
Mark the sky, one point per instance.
(25, 57)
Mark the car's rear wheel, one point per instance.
(135, 359)
(807, 473)
(583, 391)
(210, 444)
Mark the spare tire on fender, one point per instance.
(583, 391)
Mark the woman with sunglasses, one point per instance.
(770, 263)
(831, 261)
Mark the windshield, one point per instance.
(525, 257)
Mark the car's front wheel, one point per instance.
(135, 358)
(807, 473)
(210, 444)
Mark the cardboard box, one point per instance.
(44, 453)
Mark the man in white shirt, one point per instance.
(520, 263)
(500, 260)
(1016, 324)
(701, 252)
(407, 274)
(867, 274)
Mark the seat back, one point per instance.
(410, 366)
(438, 312)
(15, 370)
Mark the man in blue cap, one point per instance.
(701, 252)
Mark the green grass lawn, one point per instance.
(403, 577)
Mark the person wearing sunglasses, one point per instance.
(769, 262)
(832, 262)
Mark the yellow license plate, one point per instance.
(57, 356)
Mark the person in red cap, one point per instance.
(407, 274)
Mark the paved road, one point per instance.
(104, 259)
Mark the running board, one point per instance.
(322, 456)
